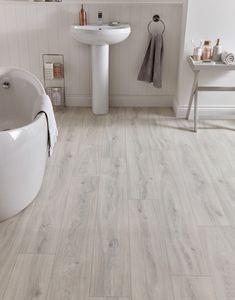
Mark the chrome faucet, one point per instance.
(6, 85)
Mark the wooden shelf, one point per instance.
(203, 66)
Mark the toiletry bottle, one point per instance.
(207, 51)
(217, 51)
(58, 70)
(100, 18)
(197, 52)
(82, 16)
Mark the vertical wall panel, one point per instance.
(30, 29)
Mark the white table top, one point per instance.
(203, 66)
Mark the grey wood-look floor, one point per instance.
(134, 206)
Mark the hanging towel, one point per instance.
(45, 105)
(151, 69)
(228, 58)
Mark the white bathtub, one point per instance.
(23, 141)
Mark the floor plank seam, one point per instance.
(93, 248)
(96, 215)
(128, 205)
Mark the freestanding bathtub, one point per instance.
(23, 140)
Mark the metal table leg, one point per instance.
(196, 109)
(195, 84)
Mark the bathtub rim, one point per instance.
(4, 70)
(39, 115)
(36, 82)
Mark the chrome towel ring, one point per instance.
(156, 18)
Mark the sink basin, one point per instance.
(100, 37)
(100, 34)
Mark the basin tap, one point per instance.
(100, 18)
(6, 85)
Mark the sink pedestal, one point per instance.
(100, 37)
(100, 79)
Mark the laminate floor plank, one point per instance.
(139, 164)
(11, 234)
(183, 245)
(185, 253)
(228, 134)
(109, 298)
(111, 256)
(44, 225)
(70, 124)
(111, 248)
(72, 268)
(30, 277)
(227, 141)
(219, 245)
(204, 200)
(221, 172)
(113, 139)
(193, 288)
(161, 128)
(150, 273)
(89, 146)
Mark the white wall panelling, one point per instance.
(27, 30)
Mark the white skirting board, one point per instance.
(123, 100)
(207, 111)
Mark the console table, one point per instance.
(197, 68)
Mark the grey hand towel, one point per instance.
(151, 69)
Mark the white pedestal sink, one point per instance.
(100, 37)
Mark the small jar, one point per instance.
(58, 70)
(207, 50)
(197, 53)
(56, 96)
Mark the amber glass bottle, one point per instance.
(82, 16)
